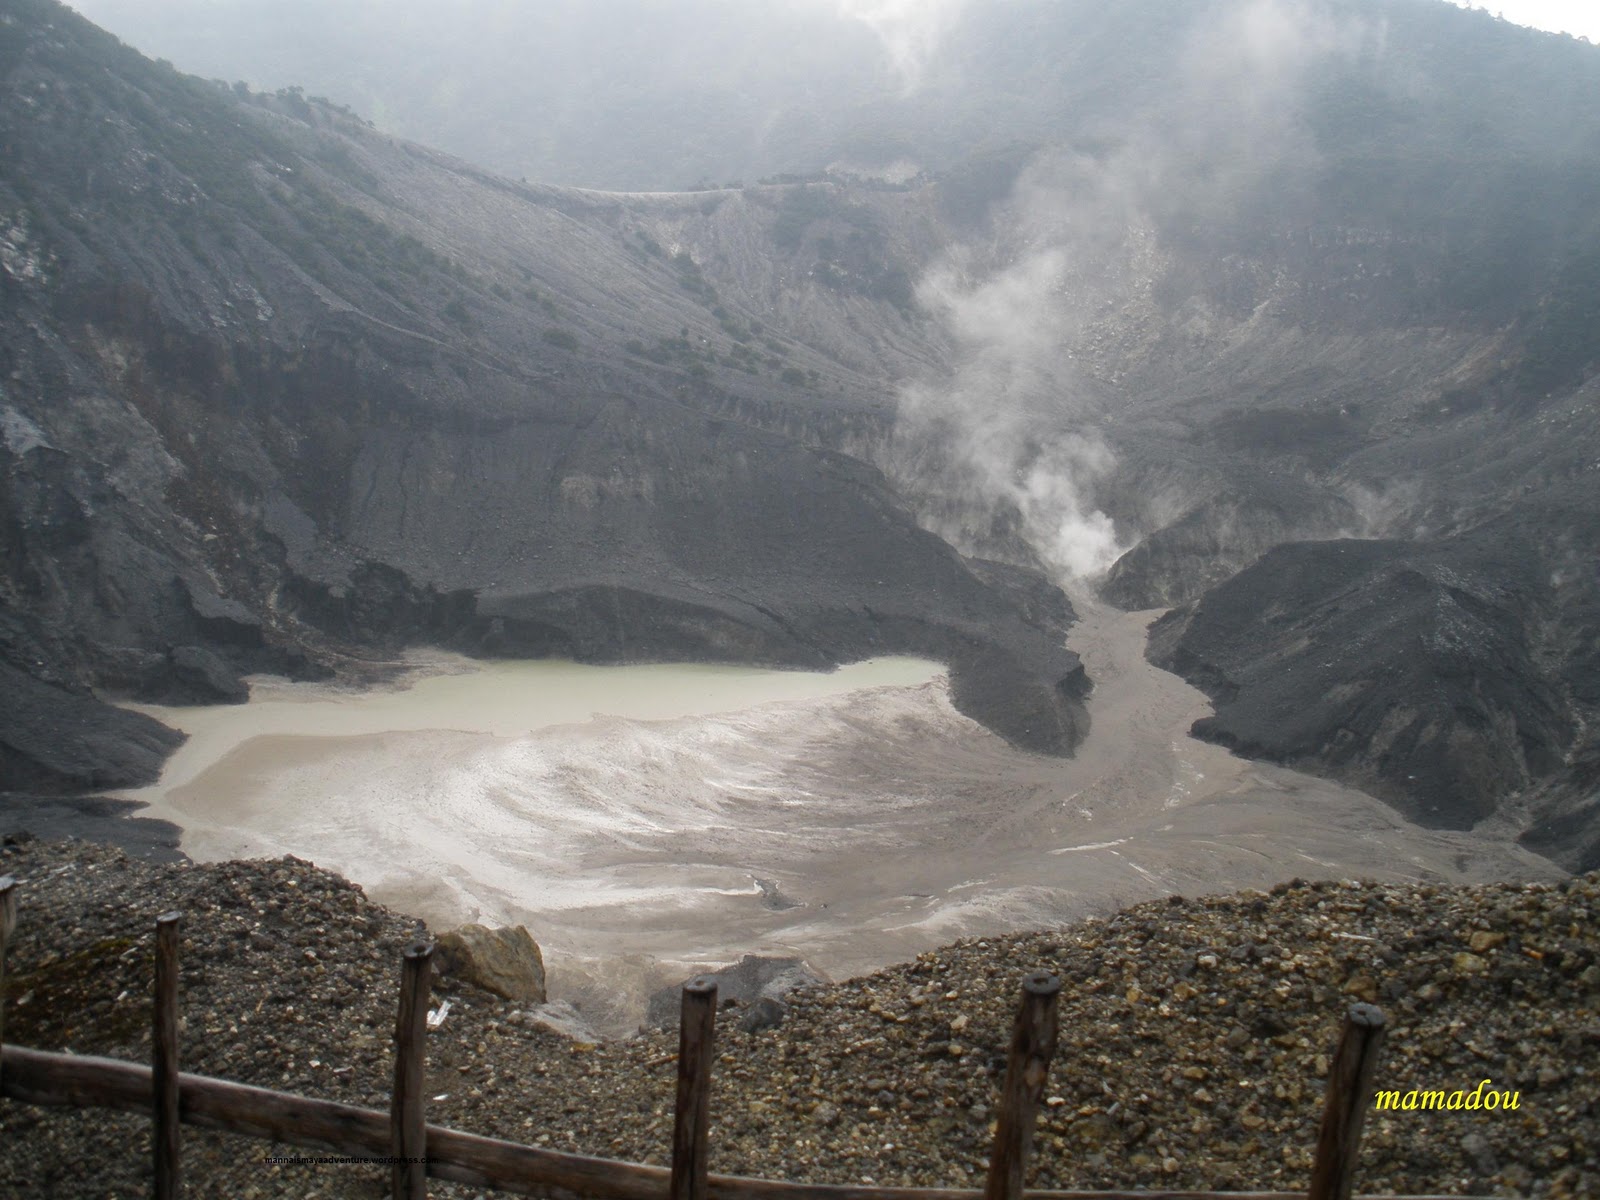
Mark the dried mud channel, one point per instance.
(854, 826)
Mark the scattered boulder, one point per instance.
(222, 619)
(202, 677)
(505, 961)
(766, 1013)
(752, 979)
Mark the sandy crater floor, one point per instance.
(854, 819)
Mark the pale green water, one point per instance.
(637, 819)
(504, 699)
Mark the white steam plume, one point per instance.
(1008, 447)
(910, 30)
(1003, 422)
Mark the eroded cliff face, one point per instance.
(1370, 496)
(1410, 670)
(1384, 545)
(282, 393)
(280, 390)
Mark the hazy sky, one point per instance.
(1581, 18)
(907, 17)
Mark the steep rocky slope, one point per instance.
(280, 390)
(1421, 659)
(1448, 667)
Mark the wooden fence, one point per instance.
(415, 1150)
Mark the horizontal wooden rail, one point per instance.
(39, 1077)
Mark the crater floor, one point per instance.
(855, 824)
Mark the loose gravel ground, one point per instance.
(1195, 1036)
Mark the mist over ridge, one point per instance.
(1081, 230)
(644, 96)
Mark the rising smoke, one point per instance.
(1061, 291)
(1014, 456)
(911, 31)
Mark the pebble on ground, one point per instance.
(1195, 1040)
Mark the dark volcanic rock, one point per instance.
(1566, 826)
(1566, 810)
(52, 740)
(223, 619)
(1011, 698)
(311, 428)
(1041, 602)
(1219, 536)
(1409, 670)
(747, 983)
(205, 678)
(24, 816)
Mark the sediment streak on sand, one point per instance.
(632, 847)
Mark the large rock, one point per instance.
(749, 982)
(204, 678)
(506, 961)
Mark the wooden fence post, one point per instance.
(8, 925)
(408, 1128)
(167, 1134)
(1333, 1175)
(1033, 1044)
(692, 1121)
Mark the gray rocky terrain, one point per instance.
(1195, 1036)
(263, 411)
